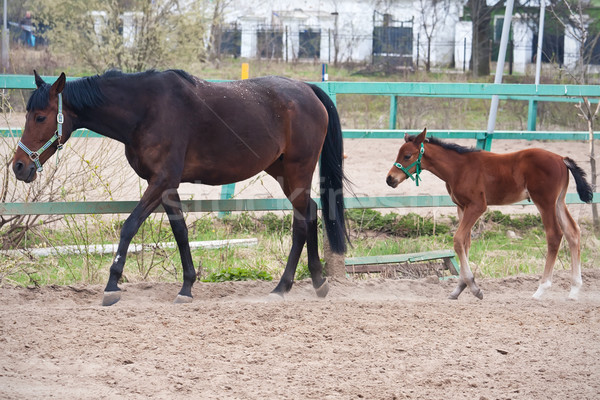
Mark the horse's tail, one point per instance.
(332, 177)
(584, 189)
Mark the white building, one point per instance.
(394, 32)
(342, 30)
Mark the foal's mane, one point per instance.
(448, 146)
(85, 92)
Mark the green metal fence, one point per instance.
(517, 92)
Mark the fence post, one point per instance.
(393, 111)
(532, 115)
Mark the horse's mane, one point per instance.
(85, 92)
(448, 146)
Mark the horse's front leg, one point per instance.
(148, 203)
(172, 205)
(462, 243)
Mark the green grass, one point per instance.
(493, 253)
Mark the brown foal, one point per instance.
(475, 179)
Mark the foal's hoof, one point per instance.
(111, 298)
(183, 299)
(453, 296)
(323, 289)
(479, 294)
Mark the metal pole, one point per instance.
(532, 113)
(5, 60)
(486, 143)
(538, 61)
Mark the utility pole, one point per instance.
(5, 61)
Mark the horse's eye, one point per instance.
(40, 118)
(407, 156)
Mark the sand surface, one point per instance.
(371, 339)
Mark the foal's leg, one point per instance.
(172, 205)
(553, 237)
(149, 201)
(573, 235)
(462, 242)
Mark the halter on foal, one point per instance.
(475, 179)
(177, 128)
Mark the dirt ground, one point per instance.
(372, 339)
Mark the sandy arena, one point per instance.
(371, 339)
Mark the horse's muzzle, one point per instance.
(25, 173)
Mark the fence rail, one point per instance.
(517, 92)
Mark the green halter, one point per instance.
(35, 155)
(417, 163)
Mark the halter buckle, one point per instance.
(60, 118)
(34, 156)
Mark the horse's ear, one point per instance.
(38, 79)
(421, 138)
(59, 85)
(406, 137)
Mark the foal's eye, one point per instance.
(40, 118)
(407, 156)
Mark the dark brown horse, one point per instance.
(177, 128)
(475, 179)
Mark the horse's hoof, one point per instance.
(111, 298)
(183, 299)
(323, 289)
(453, 296)
(479, 294)
(275, 297)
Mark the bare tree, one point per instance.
(432, 13)
(580, 26)
(131, 35)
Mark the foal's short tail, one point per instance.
(584, 189)
(332, 177)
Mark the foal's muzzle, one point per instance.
(391, 181)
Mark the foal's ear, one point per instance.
(59, 85)
(421, 138)
(38, 79)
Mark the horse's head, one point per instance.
(42, 135)
(408, 161)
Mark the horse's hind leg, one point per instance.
(172, 205)
(299, 234)
(296, 187)
(573, 235)
(553, 237)
(312, 249)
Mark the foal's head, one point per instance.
(408, 161)
(43, 129)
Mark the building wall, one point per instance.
(350, 21)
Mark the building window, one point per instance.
(553, 48)
(310, 43)
(270, 42)
(392, 39)
(231, 41)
